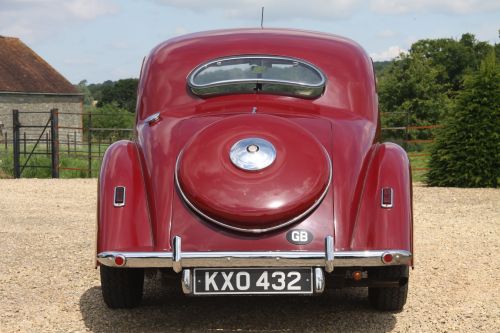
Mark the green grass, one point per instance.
(73, 160)
(419, 156)
(419, 162)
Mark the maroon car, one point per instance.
(257, 169)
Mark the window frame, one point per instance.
(198, 89)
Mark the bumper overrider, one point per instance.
(184, 261)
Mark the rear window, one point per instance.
(254, 74)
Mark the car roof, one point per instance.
(346, 65)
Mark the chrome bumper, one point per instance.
(179, 260)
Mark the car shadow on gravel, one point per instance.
(166, 309)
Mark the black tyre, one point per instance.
(122, 287)
(390, 298)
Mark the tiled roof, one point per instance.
(22, 70)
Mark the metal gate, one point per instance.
(32, 146)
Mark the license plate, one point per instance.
(235, 281)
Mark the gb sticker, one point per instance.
(299, 236)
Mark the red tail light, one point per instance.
(387, 258)
(119, 261)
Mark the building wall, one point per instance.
(70, 109)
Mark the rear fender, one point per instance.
(385, 228)
(125, 228)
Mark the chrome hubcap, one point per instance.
(252, 154)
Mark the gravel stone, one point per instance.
(48, 282)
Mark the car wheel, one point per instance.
(122, 287)
(390, 298)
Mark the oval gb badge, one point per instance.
(299, 236)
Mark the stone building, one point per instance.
(29, 84)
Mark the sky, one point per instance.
(98, 40)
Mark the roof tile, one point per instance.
(22, 70)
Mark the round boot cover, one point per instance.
(253, 173)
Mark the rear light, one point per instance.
(387, 197)
(387, 258)
(119, 196)
(119, 260)
(357, 275)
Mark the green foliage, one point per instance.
(381, 66)
(452, 58)
(424, 82)
(107, 117)
(121, 92)
(467, 149)
(409, 88)
(97, 88)
(87, 95)
(65, 161)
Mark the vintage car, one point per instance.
(256, 170)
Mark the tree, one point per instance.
(96, 89)
(409, 86)
(467, 150)
(452, 58)
(109, 116)
(83, 89)
(419, 88)
(380, 66)
(122, 92)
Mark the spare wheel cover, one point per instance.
(263, 196)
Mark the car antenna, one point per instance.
(262, 18)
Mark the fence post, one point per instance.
(69, 144)
(47, 144)
(24, 144)
(6, 144)
(407, 131)
(16, 143)
(54, 132)
(89, 142)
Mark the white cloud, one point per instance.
(388, 54)
(274, 9)
(442, 6)
(32, 19)
(89, 9)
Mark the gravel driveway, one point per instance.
(48, 284)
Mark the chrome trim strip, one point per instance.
(137, 259)
(124, 196)
(319, 280)
(199, 68)
(255, 231)
(329, 251)
(382, 198)
(177, 255)
(255, 259)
